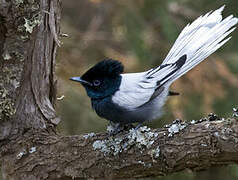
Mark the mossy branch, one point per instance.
(196, 145)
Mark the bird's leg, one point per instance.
(114, 128)
(127, 127)
(138, 126)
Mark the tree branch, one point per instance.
(178, 146)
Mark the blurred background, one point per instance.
(140, 33)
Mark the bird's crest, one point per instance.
(107, 67)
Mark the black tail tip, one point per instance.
(172, 93)
(181, 61)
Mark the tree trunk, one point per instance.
(30, 148)
(29, 42)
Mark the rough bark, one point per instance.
(196, 146)
(29, 42)
(30, 148)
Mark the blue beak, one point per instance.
(78, 79)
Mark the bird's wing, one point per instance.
(165, 72)
(133, 91)
(137, 89)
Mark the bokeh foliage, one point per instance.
(140, 33)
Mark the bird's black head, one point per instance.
(103, 79)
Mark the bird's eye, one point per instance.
(96, 82)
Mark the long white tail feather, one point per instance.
(202, 56)
(199, 40)
(207, 21)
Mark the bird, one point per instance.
(127, 98)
